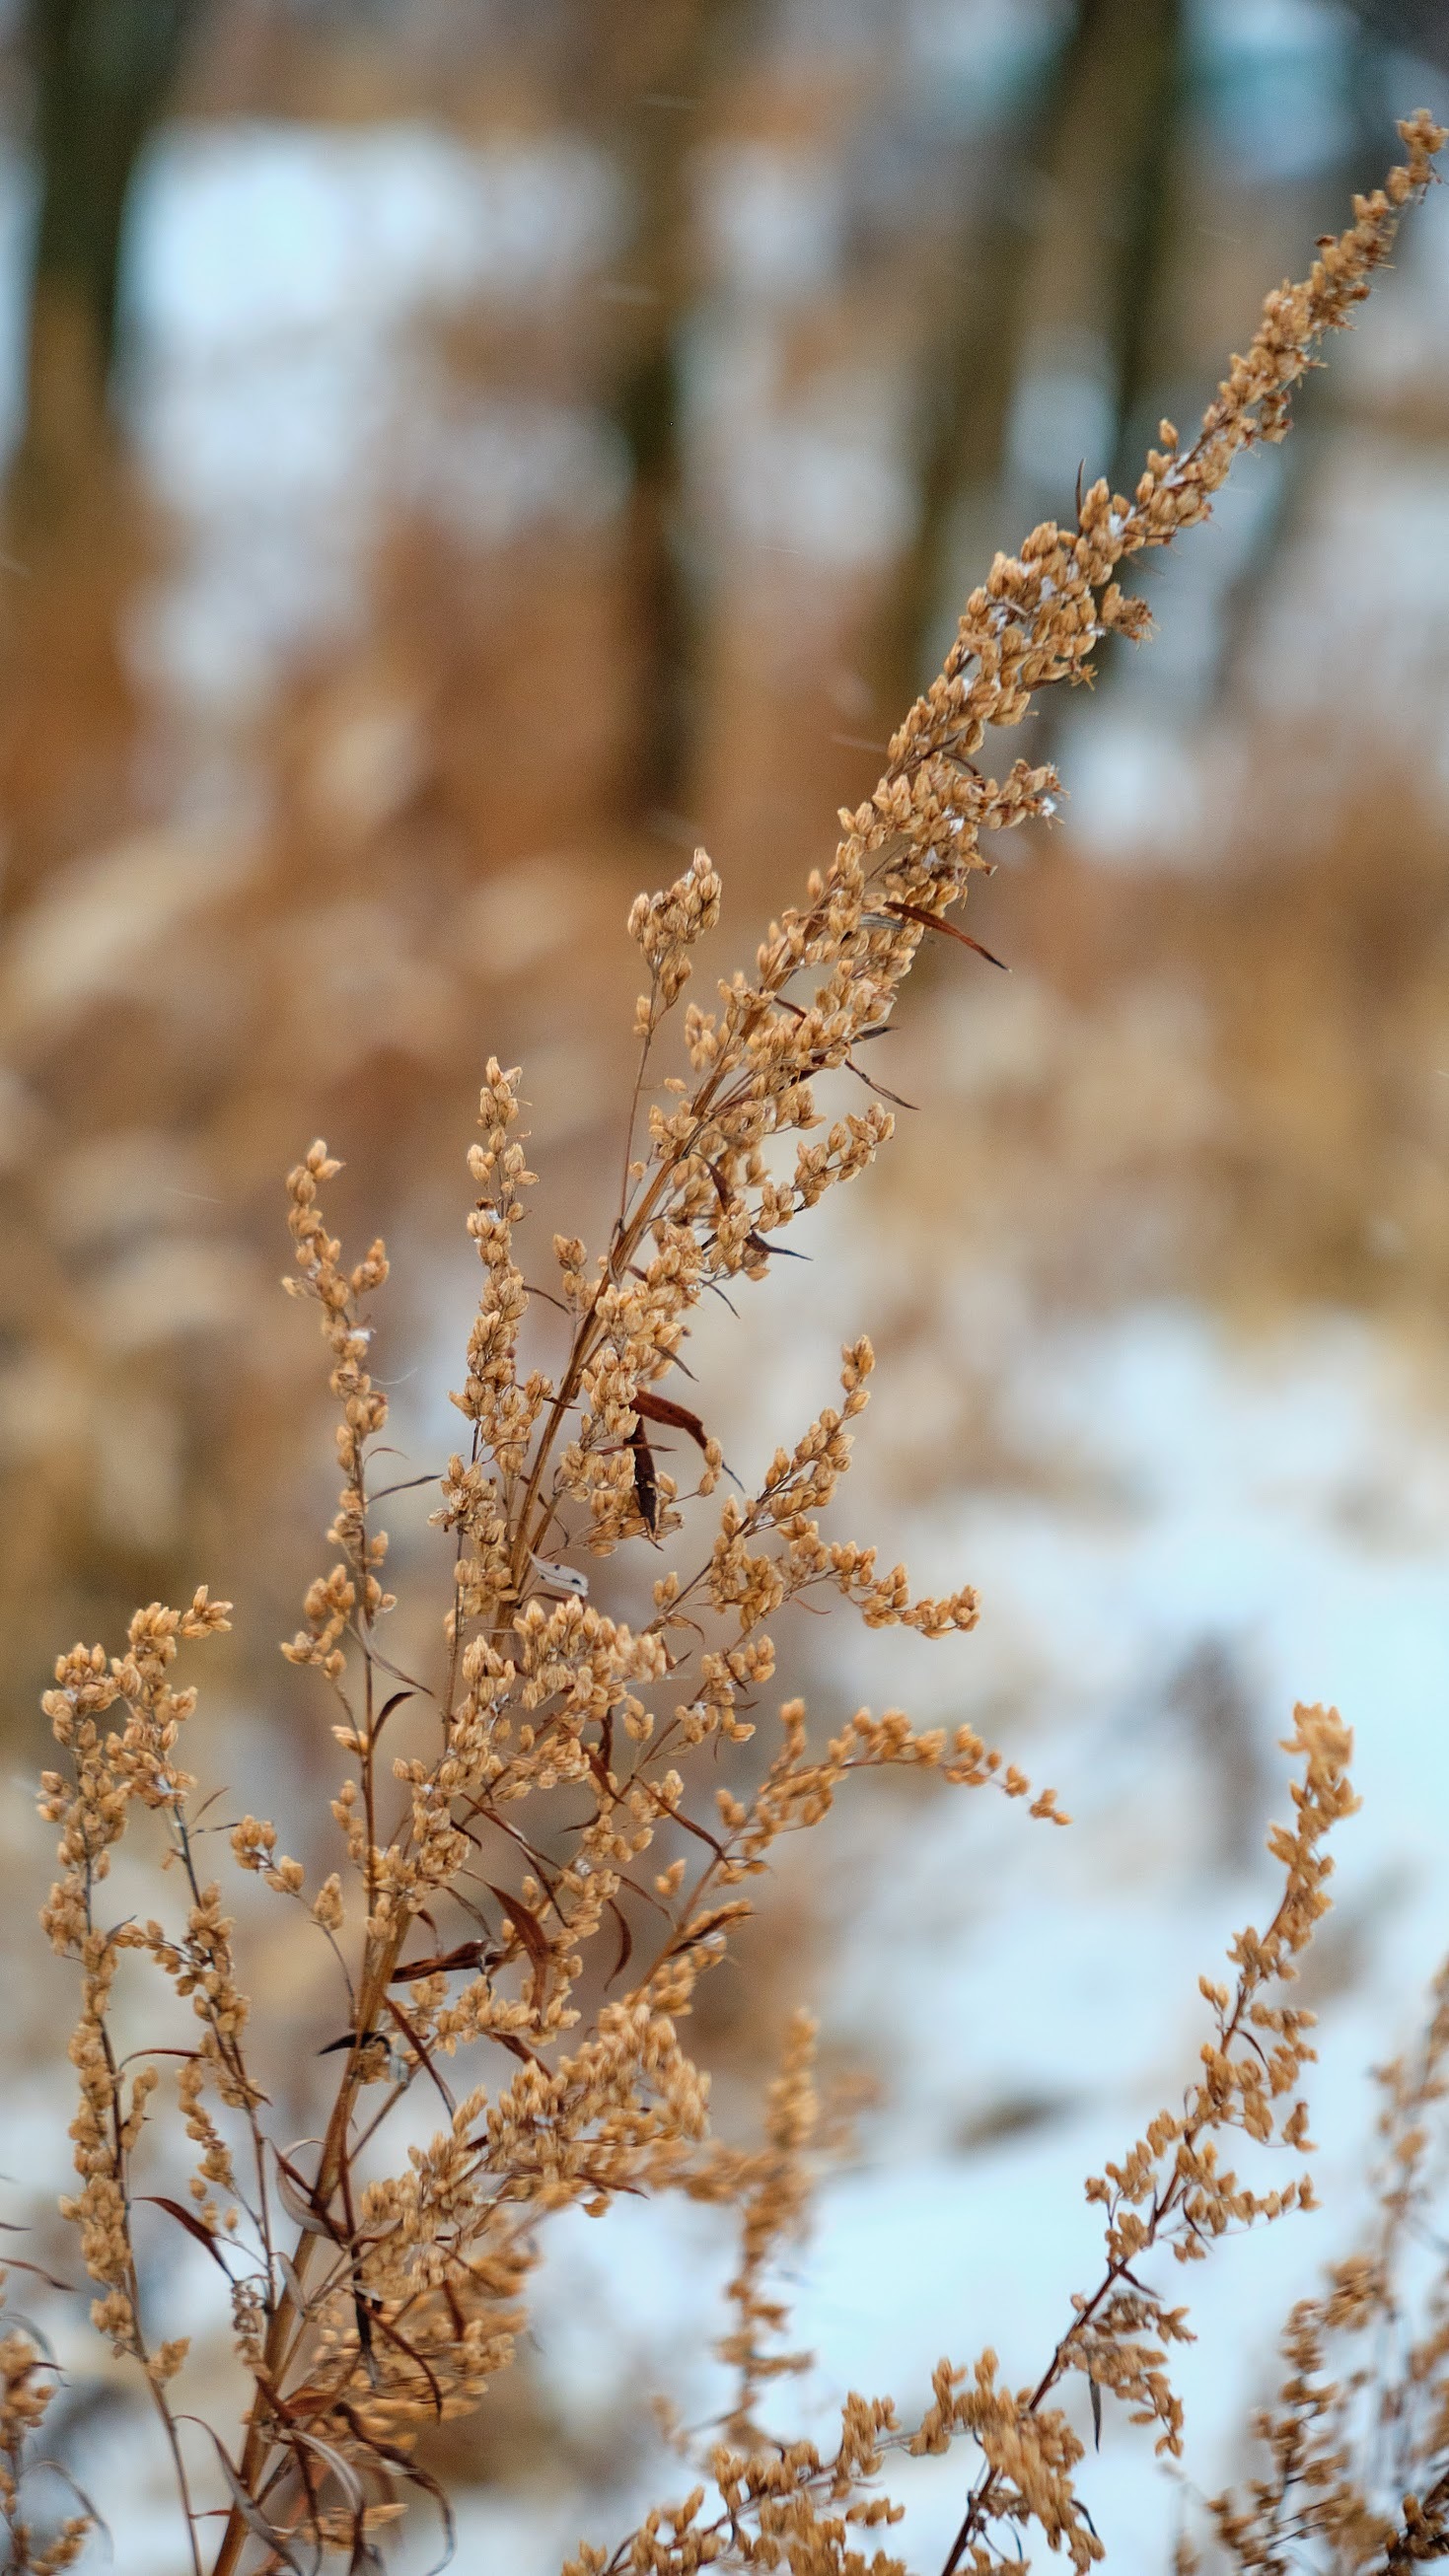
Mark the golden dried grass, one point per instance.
(367, 2301)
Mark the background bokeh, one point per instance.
(459, 454)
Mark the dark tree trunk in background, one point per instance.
(1146, 227)
(1372, 94)
(1420, 26)
(650, 71)
(1109, 165)
(103, 71)
(1066, 252)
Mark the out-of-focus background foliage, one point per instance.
(461, 453)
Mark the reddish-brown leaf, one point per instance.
(407, 2467)
(626, 1943)
(188, 2219)
(341, 2469)
(394, 2335)
(52, 2280)
(515, 2046)
(468, 1954)
(255, 2520)
(760, 1243)
(531, 1933)
(948, 929)
(386, 1711)
(661, 1408)
(677, 1816)
(419, 2044)
(301, 2203)
(599, 1768)
(718, 1919)
(880, 1088)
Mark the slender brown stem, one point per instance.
(288, 2324)
(173, 2439)
(278, 2349)
(626, 1237)
(1164, 2205)
(231, 2054)
(133, 2284)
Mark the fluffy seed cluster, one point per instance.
(547, 1841)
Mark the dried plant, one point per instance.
(1357, 2438)
(27, 2387)
(474, 1908)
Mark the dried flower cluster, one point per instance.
(27, 2386)
(1356, 2473)
(474, 1907)
(784, 2505)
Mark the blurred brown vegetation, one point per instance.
(1218, 1079)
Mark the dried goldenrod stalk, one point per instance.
(1357, 2438)
(475, 1906)
(783, 2503)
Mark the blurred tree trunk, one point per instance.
(1367, 97)
(654, 70)
(1064, 254)
(103, 70)
(1420, 26)
(1111, 170)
